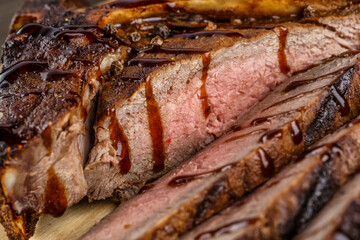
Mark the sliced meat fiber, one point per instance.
(340, 217)
(286, 203)
(149, 126)
(279, 128)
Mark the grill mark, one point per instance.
(206, 59)
(262, 120)
(284, 67)
(55, 197)
(156, 128)
(120, 144)
(148, 62)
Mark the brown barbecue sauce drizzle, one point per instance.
(156, 128)
(228, 228)
(146, 188)
(295, 132)
(270, 135)
(132, 3)
(284, 67)
(267, 163)
(341, 101)
(159, 49)
(182, 180)
(206, 59)
(9, 75)
(55, 197)
(120, 144)
(245, 135)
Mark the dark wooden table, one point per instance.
(7, 10)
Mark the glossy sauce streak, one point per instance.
(148, 62)
(55, 197)
(133, 3)
(296, 133)
(120, 144)
(69, 32)
(9, 75)
(262, 120)
(341, 101)
(229, 228)
(181, 180)
(270, 135)
(47, 139)
(206, 59)
(200, 34)
(55, 74)
(284, 67)
(156, 128)
(267, 163)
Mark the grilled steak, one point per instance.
(287, 202)
(280, 128)
(57, 53)
(173, 101)
(340, 217)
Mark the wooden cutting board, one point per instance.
(75, 222)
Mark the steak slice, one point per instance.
(287, 202)
(340, 217)
(187, 100)
(278, 130)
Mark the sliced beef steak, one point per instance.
(278, 129)
(340, 217)
(286, 203)
(170, 101)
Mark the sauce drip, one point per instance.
(55, 197)
(149, 62)
(296, 133)
(55, 74)
(206, 59)
(229, 228)
(284, 67)
(133, 3)
(267, 163)
(270, 135)
(341, 101)
(197, 35)
(9, 75)
(47, 139)
(69, 32)
(181, 180)
(120, 144)
(156, 128)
